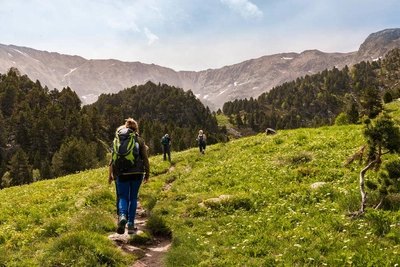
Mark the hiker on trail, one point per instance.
(201, 140)
(128, 176)
(111, 176)
(166, 143)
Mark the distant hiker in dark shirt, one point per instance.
(128, 181)
(201, 140)
(166, 143)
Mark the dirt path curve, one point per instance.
(150, 255)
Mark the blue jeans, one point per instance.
(128, 195)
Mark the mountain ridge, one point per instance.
(250, 78)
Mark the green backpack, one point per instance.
(125, 149)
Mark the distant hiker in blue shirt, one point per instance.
(166, 143)
(201, 139)
(128, 176)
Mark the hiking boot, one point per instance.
(131, 228)
(121, 224)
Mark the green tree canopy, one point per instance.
(74, 155)
(20, 170)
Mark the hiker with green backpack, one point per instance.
(130, 167)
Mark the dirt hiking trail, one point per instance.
(150, 254)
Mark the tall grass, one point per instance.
(248, 202)
(269, 214)
(61, 222)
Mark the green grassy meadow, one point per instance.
(248, 202)
(272, 216)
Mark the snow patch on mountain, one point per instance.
(220, 93)
(71, 71)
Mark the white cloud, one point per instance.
(245, 8)
(120, 18)
(192, 35)
(123, 25)
(150, 36)
(157, 11)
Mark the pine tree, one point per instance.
(238, 120)
(371, 101)
(352, 113)
(383, 137)
(74, 155)
(45, 170)
(19, 169)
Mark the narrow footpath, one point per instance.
(150, 255)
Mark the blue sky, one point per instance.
(192, 34)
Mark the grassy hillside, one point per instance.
(248, 202)
(273, 216)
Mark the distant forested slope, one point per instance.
(44, 133)
(318, 99)
(160, 109)
(47, 133)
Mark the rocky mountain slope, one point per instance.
(89, 78)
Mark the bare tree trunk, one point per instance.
(362, 190)
(380, 203)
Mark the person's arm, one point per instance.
(145, 157)
(110, 172)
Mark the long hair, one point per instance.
(132, 124)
